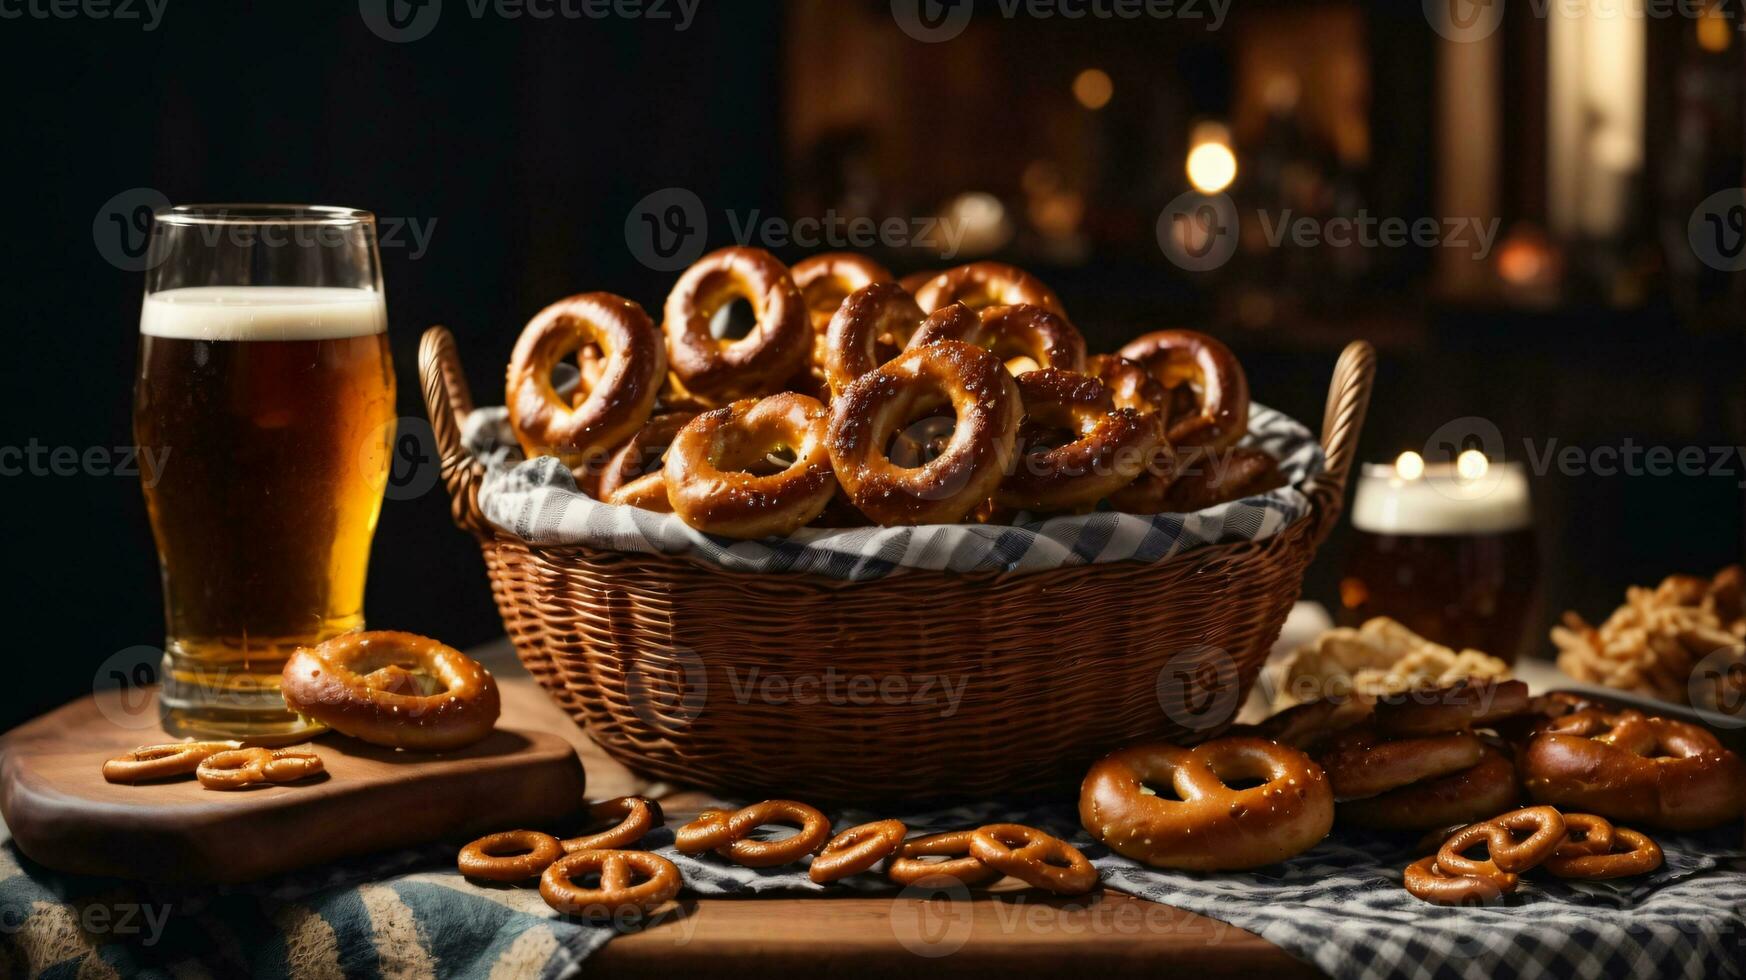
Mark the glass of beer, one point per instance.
(1448, 550)
(264, 407)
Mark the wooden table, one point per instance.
(1015, 933)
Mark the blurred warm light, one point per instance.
(1409, 465)
(1093, 88)
(1471, 465)
(1714, 34)
(980, 219)
(1211, 167)
(1525, 258)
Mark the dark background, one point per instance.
(528, 143)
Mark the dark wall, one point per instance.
(519, 146)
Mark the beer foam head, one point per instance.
(263, 313)
(1439, 503)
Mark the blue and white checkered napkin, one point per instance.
(537, 500)
(1339, 906)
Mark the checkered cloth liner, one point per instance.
(1339, 906)
(538, 501)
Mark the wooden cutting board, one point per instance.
(63, 814)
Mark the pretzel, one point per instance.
(715, 372)
(1653, 642)
(981, 284)
(1212, 826)
(1192, 363)
(582, 428)
(1304, 726)
(513, 855)
(710, 468)
(1128, 383)
(1207, 479)
(327, 682)
(1545, 827)
(1025, 337)
(1108, 450)
(1361, 763)
(1455, 800)
(149, 762)
(1033, 857)
(237, 768)
(866, 416)
(727, 833)
(1626, 766)
(1639, 855)
(632, 476)
(826, 279)
(906, 867)
(616, 894)
(1585, 835)
(1466, 704)
(636, 816)
(870, 327)
(856, 850)
(1424, 880)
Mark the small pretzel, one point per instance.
(636, 816)
(872, 410)
(1211, 826)
(1639, 855)
(709, 468)
(1505, 854)
(1109, 447)
(1458, 799)
(632, 475)
(1627, 766)
(879, 316)
(616, 894)
(826, 279)
(981, 284)
(237, 768)
(513, 855)
(1424, 880)
(1033, 857)
(327, 682)
(150, 762)
(1024, 337)
(1360, 763)
(728, 834)
(1206, 369)
(856, 850)
(1459, 707)
(906, 867)
(716, 372)
(581, 430)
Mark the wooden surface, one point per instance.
(63, 814)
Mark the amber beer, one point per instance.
(270, 413)
(1453, 559)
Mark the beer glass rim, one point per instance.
(262, 214)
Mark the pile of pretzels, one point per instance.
(855, 399)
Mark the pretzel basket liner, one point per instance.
(916, 685)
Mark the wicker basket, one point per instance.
(918, 685)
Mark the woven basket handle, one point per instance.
(448, 401)
(1348, 400)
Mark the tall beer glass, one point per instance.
(264, 405)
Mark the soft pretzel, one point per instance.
(871, 411)
(714, 371)
(1108, 447)
(712, 467)
(1627, 766)
(1211, 826)
(1461, 797)
(1213, 377)
(826, 279)
(1543, 825)
(870, 327)
(1361, 763)
(618, 891)
(237, 768)
(1469, 703)
(635, 816)
(580, 429)
(633, 476)
(327, 683)
(1034, 857)
(1026, 335)
(1425, 880)
(906, 867)
(513, 855)
(856, 850)
(729, 833)
(1304, 726)
(150, 762)
(1631, 853)
(981, 284)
